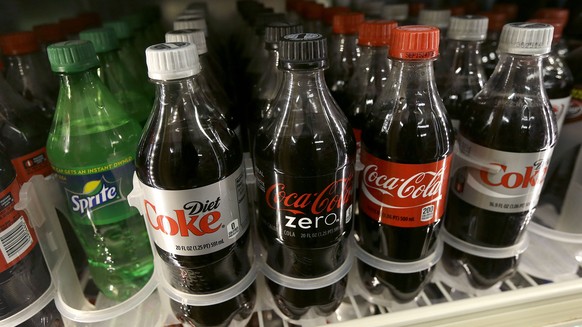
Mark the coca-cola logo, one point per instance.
(530, 176)
(195, 218)
(421, 185)
(330, 198)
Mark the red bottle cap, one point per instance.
(49, 33)
(510, 9)
(313, 11)
(72, 26)
(554, 13)
(92, 19)
(496, 20)
(557, 23)
(414, 42)
(347, 23)
(376, 33)
(329, 12)
(457, 10)
(19, 43)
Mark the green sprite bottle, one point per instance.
(91, 147)
(124, 86)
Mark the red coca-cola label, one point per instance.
(403, 195)
(17, 238)
(30, 164)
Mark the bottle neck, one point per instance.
(467, 58)
(372, 55)
(81, 84)
(517, 74)
(305, 81)
(347, 45)
(412, 77)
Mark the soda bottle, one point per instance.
(91, 148)
(24, 275)
(466, 75)
(304, 164)
(124, 86)
(489, 55)
(189, 165)
(396, 12)
(505, 143)
(370, 73)
(406, 150)
(269, 83)
(343, 53)
(441, 19)
(26, 70)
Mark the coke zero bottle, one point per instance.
(189, 167)
(407, 143)
(304, 164)
(504, 146)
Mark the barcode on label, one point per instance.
(427, 213)
(15, 240)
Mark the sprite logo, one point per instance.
(95, 193)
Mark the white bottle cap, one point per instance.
(190, 36)
(468, 28)
(168, 61)
(432, 17)
(526, 38)
(395, 11)
(196, 23)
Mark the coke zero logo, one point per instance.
(332, 197)
(197, 222)
(427, 184)
(532, 176)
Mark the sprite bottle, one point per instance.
(91, 146)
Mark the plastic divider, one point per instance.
(485, 252)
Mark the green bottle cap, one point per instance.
(72, 56)
(121, 28)
(103, 39)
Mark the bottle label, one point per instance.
(403, 195)
(560, 108)
(34, 163)
(499, 181)
(17, 238)
(198, 221)
(94, 194)
(306, 210)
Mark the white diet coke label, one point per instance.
(498, 181)
(197, 221)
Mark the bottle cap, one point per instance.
(263, 19)
(72, 56)
(303, 47)
(72, 26)
(190, 16)
(191, 24)
(313, 11)
(510, 9)
(176, 60)
(195, 11)
(526, 38)
(468, 28)
(276, 30)
(554, 13)
(556, 23)
(376, 33)
(496, 20)
(433, 17)
(347, 23)
(49, 33)
(189, 36)
(395, 12)
(414, 42)
(120, 27)
(19, 43)
(329, 12)
(103, 39)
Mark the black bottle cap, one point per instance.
(303, 47)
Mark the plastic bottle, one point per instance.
(370, 74)
(441, 19)
(272, 79)
(112, 71)
(91, 148)
(27, 72)
(466, 75)
(189, 163)
(504, 147)
(304, 164)
(489, 48)
(407, 145)
(343, 53)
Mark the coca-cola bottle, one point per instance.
(189, 167)
(304, 158)
(370, 73)
(466, 75)
(504, 147)
(407, 145)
